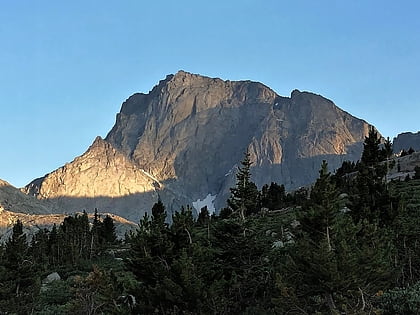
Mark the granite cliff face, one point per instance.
(191, 131)
(184, 139)
(101, 178)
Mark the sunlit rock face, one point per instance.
(102, 178)
(184, 139)
(101, 171)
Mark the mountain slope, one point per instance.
(37, 214)
(14, 200)
(101, 178)
(407, 140)
(183, 141)
(34, 222)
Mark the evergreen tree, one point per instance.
(387, 149)
(416, 172)
(244, 198)
(150, 261)
(320, 212)
(242, 274)
(18, 281)
(108, 230)
(158, 210)
(97, 237)
(181, 228)
(371, 152)
(75, 239)
(203, 217)
(16, 247)
(370, 197)
(39, 249)
(324, 264)
(225, 213)
(273, 197)
(54, 250)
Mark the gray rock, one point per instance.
(51, 277)
(405, 141)
(184, 139)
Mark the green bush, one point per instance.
(404, 301)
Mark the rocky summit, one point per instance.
(182, 142)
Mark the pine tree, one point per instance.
(370, 197)
(18, 281)
(158, 210)
(417, 172)
(39, 249)
(150, 260)
(387, 149)
(54, 247)
(181, 228)
(75, 239)
(273, 197)
(97, 239)
(321, 211)
(244, 198)
(108, 230)
(203, 217)
(324, 263)
(371, 152)
(16, 247)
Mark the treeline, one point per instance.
(347, 245)
(22, 264)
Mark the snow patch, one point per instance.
(231, 170)
(150, 176)
(208, 201)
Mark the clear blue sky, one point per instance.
(66, 66)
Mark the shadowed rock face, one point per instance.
(184, 139)
(405, 141)
(14, 200)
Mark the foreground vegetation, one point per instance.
(348, 246)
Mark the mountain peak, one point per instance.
(182, 73)
(184, 138)
(98, 141)
(184, 78)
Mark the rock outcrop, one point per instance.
(405, 141)
(184, 139)
(403, 166)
